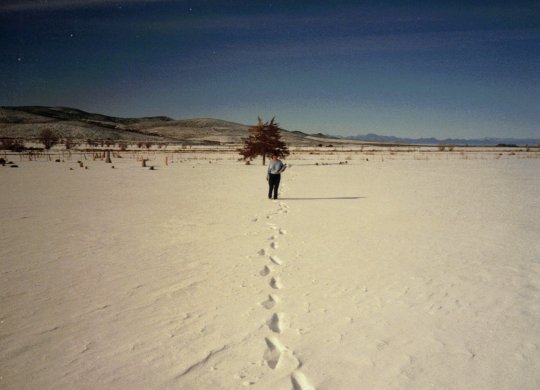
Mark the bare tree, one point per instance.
(48, 138)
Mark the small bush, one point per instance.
(48, 138)
(6, 143)
(13, 144)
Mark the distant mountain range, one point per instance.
(374, 138)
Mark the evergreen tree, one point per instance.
(264, 140)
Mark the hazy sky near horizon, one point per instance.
(444, 69)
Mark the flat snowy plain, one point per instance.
(401, 272)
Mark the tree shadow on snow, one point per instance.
(331, 198)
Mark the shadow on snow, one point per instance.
(331, 198)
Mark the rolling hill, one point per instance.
(26, 122)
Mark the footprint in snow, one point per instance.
(276, 323)
(273, 352)
(278, 356)
(276, 260)
(300, 382)
(275, 283)
(265, 271)
(270, 302)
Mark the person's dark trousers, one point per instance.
(273, 182)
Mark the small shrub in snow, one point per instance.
(13, 144)
(48, 138)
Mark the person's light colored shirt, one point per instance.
(275, 167)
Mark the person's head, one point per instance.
(274, 156)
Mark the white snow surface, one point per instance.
(380, 274)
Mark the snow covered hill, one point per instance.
(26, 122)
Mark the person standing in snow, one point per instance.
(273, 176)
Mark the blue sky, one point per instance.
(442, 69)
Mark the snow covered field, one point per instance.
(392, 273)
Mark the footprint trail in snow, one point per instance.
(276, 355)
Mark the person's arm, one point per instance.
(283, 167)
